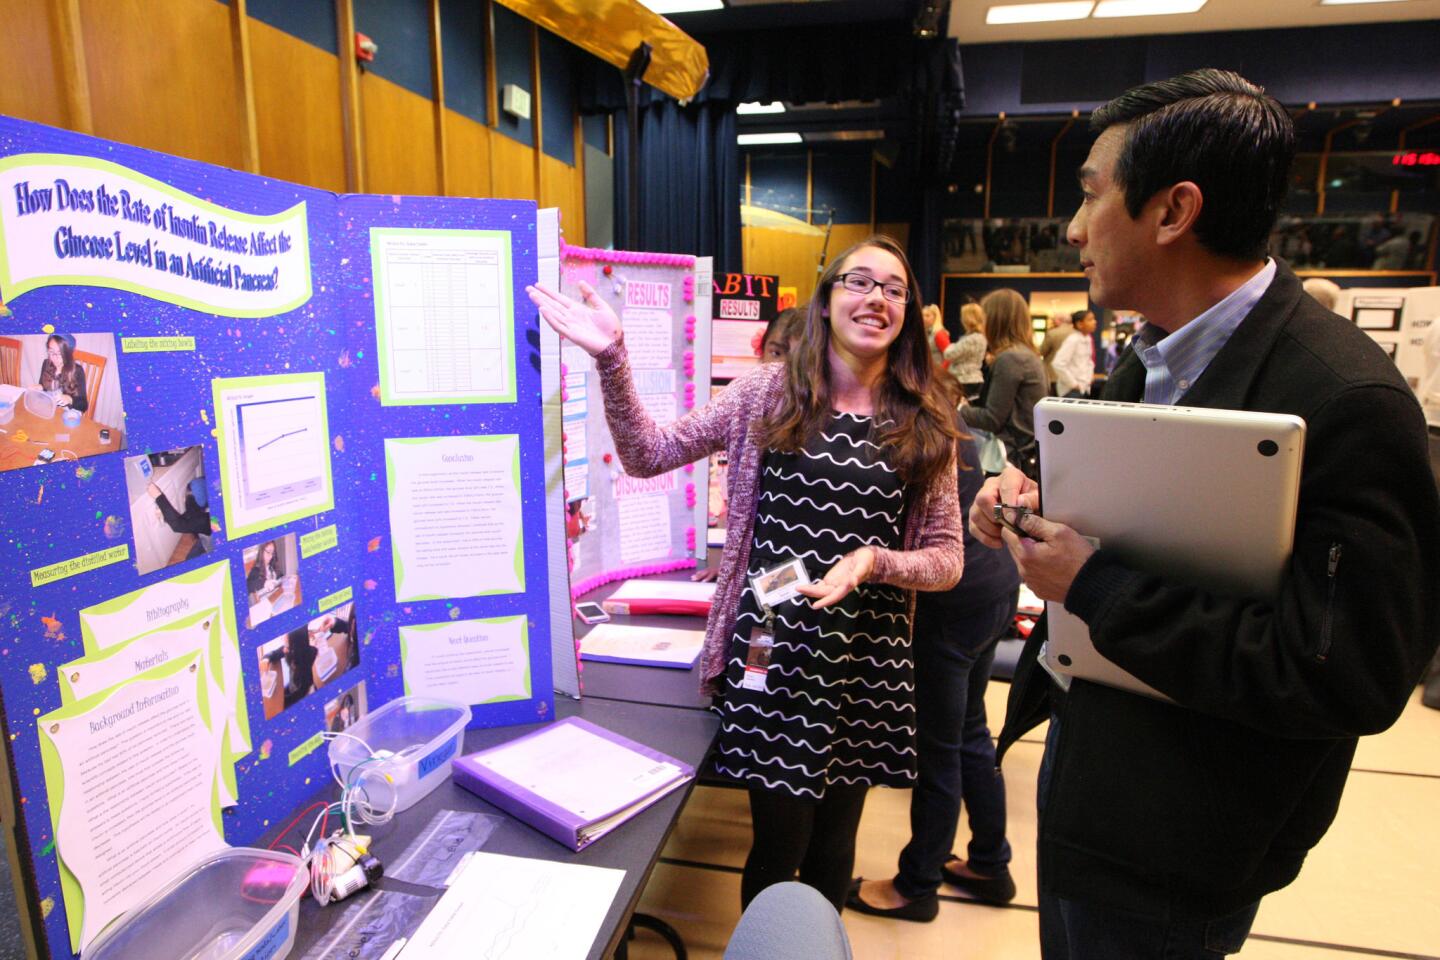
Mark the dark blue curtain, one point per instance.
(689, 182)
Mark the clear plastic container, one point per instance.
(411, 741)
(40, 404)
(7, 411)
(238, 903)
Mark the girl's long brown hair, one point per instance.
(1007, 321)
(919, 423)
(64, 378)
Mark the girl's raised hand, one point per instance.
(589, 323)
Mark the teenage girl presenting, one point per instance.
(842, 458)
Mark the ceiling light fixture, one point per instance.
(667, 7)
(774, 106)
(757, 139)
(1145, 8)
(1039, 12)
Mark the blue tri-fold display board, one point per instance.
(272, 457)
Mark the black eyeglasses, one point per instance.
(863, 283)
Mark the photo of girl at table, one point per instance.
(842, 457)
(272, 578)
(60, 398)
(61, 376)
(307, 658)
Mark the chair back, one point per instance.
(94, 366)
(10, 361)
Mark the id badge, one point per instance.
(779, 584)
(757, 659)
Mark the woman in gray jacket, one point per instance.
(1017, 379)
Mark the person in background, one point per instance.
(955, 636)
(843, 459)
(936, 334)
(1115, 349)
(1074, 362)
(1017, 378)
(1162, 823)
(1055, 337)
(965, 357)
(61, 376)
(1324, 292)
(781, 335)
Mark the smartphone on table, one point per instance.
(590, 612)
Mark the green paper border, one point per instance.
(92, 163)
(55, 778)
(507, 309)
(399, 566)
(230, 495)
(227, 613)
(428, 627)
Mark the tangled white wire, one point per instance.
(353, 806)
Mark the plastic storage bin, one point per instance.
(237, 903)
(7, 411)
(413, 740)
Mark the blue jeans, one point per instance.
(1083, 930)
(955, 755)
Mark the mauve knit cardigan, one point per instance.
(933, 554)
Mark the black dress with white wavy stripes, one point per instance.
(839, 700)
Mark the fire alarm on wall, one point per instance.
(365, 48)
(515, 101)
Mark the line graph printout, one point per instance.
(444, 316)
(274, 450)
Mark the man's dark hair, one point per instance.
(1217, 130)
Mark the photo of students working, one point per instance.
(307, 658)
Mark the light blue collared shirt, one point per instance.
(1174, 362)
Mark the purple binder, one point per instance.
(550, 818)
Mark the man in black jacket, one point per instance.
(1162, 825)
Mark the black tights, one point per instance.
(815, 837)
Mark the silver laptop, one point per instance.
(1203, 496)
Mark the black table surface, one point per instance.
(665, 686)
(633, 847)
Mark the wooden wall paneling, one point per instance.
(512, 167)
(578, 229)
(35, 92)
(437, 105)
(844, 235)
(563, 186)
(399, 138)
(897, 231)
(298, 120)
(794, 256)
(351, 118)
(71, 69)
(170, 89)
(791, 256)
(245, 84)
(468, 157)
(543, 198)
